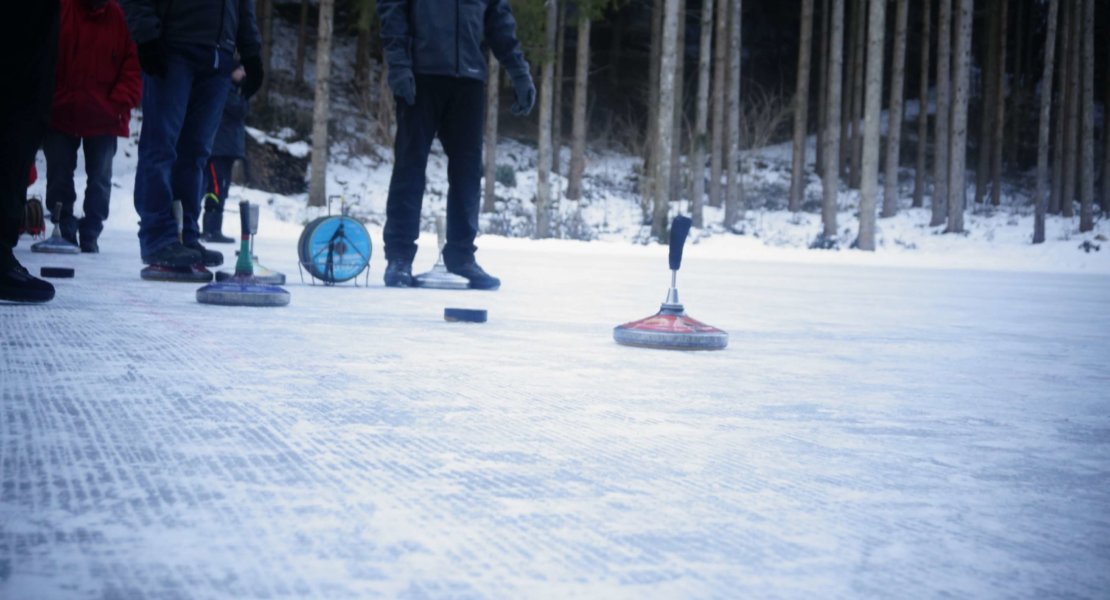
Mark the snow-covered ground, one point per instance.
(873, 430)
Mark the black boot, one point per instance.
(17, 285)
(212, 225)
(398, 273)
(479, 279)
(211, 258)
(172, 256)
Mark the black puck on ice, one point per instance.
(466, 315)
(58, 272)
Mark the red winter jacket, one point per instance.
(98, 80)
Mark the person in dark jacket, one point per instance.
(97, 85)
(28, 48)
(437, 69)
(229, 146)
(186, 50)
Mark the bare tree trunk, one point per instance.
(801, 108)
(1045, 122)
(1087, 172)
(1106, 152)
(823, 89)
(650, 159)
(317, 189)
(578, 136)
(923, 107)
(386, 110)
(493, 103)
(679, 104)
(1020, 84)
(543, 169)
(1060, 123)
(362, 59)
(1071, 138)
(872, 115)
(1000, 107)
(266, 30)
(957, 158)
(848, 129)
(302, 42)
(701, 117)
(734, 202)
(720, 84)
(894, 136)
(987, 120)
(940, 127)
(831, 177)
(557, 100)
(858, 96)
(665, 124)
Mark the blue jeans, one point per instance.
(61, 162)
(181, 112)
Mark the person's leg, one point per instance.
(165, 100)
(416, 128)
(99, 152)
(461, 135)
(217, 181)
(202, 118)
(61, 162)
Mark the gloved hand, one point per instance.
(403, 85)
(253, 81)
(152, 57)
(525, 95)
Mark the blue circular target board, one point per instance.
(334, 249)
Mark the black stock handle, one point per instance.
(680, 228)
(245, 218)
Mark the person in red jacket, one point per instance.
(98, 83)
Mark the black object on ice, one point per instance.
(468, 315)
(242, 288)
(671, 328)
(59, 272)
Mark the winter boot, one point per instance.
(17, 285)
(173, 255)
(479, 279)
(398, 273)
(211, 258)
(212, 225)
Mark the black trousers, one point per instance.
(217, 181)
(452, 109)
(28, 49)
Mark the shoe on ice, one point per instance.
(17, 285)
(212, 258)
(89, 245)
(398, 273)
(212, 225)
(478, 278)
(173, 255)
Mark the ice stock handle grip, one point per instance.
(680, 228)
(245, 218)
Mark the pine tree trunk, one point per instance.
(940, 126)
(679, 104)
(999, 107)
(847, 127)
(362, 59)
(872, 116)
(266, 30)
(386, 110)
(1087, 172)
(859, 58)
(317, 189)
(734, 201)
(894, 136)
(1045, 123)
(830, 178)
(1060, 122)
(823, 89)
(302, 42)
(557, 100)
(578, 135)
(957, 158)
(923, 107)
(1106, 152)
(1071, 137)
(650, 145)
(987, 102)
(801, 108)
(1020, 84)
(701, 117)
(543, 169)
(665, 116)
(720, 84)
(493, 103)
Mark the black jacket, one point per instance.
(446, 37)
(229, 24)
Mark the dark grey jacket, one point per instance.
(229, 24)
(446, 37)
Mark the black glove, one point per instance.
(403, 85)
(253, 66)
(152, 57)
(525, 95)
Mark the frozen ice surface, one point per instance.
(871, 431)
